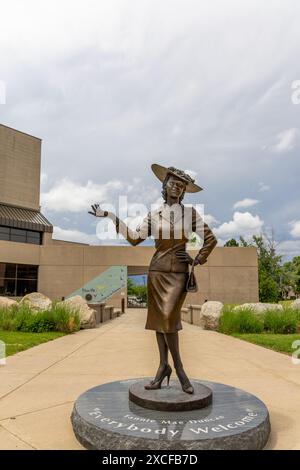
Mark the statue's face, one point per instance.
(175, 187)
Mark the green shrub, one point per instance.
(272, 321)
(7, 321)
(283, 322)
(33, 322)
(240, 321)
(21, 318)
(65, 320)
(37, 323)
(297, 316)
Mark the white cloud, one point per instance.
(263, 187)
(123, 83)
(209, 219)
(245, 203)
(2, 92)
(73, 236)
(176, 130)
(44, 178)
(286, 140)
(243, 223)
(99, 238)
(68, 196)
(295, 231)
(289, 248)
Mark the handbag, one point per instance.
(191, 285)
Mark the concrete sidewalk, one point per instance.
(38, 386)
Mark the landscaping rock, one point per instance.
(210, 315)
(87, 315)
(295, 304)
(6, 302)
(37, 302)
(259, 307)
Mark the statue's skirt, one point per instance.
(166, 294)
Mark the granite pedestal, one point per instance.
(171, 398)
(104, 418)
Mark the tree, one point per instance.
(296, 262)
(269, 267)
(276, 281)
(232, 242)
(138, 291)
(130, 287)
(291, 276)
(142, 293)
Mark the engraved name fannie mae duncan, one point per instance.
(169, 267)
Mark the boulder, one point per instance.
(295, 304)
(210, 315)
(87, 315)
(258, 307)
(6, 302)
(37, 302)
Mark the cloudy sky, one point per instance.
(209, 86)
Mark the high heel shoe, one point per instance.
(186, 385)
(156, 384)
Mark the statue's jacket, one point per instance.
(171, 227)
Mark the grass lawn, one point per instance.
(18, 341)
(277, 342)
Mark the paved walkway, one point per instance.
(38, 386)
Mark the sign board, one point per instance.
(103, 286)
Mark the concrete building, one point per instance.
(31, 260)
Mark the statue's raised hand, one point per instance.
(97, 211)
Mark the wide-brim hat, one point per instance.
(161, 172)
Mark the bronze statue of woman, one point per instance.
(169, 267)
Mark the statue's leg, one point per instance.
(173, 344)
(163, 354)
(164, 369)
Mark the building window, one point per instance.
(20, 235)
(17, 235)
(17, 280)
(4, 233)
